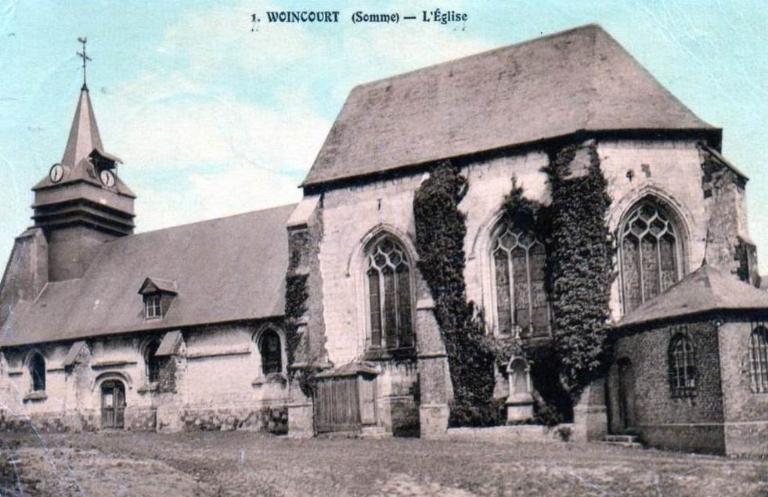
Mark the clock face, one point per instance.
(107, 178)
(56, 173)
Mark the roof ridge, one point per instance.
(585, 27)
(561, 85)
(202, 221)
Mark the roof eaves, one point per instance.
(720, 157)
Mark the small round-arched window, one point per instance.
(389, 288)
(758, 359)
(37, 372)
(650, 253)
(151, 361)
(682, 366)
(271, 352)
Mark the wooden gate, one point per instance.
(337, 405)
(112, 404)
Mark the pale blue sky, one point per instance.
(213, 119)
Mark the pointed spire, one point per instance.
(84, 133)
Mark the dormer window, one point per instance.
(158, 295)
(152, 306)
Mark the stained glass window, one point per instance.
(650, 250)
(388, 278)
(519, 277)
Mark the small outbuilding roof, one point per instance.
(350, 369)
(577, 80)
(152, 285)
(706, 289)
(226, 269)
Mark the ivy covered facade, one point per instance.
(472, 239)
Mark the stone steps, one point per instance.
(371, 432)
(375, 432)
(630, 441)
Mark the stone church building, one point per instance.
(191, 327)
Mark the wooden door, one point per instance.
(112, 404)
(626, 395)
(337, 405)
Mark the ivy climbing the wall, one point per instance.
(440, 233)
(295, 305)
(579, 261)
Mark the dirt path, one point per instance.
(245, 464)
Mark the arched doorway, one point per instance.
(113, 404)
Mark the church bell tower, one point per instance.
(82, 203)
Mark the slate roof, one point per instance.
(350, 369)
(577, 80)
(226, 269)
(706, 289)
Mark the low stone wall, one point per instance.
(268, 419)
(405, 417)
(749, 438)
(140, 419)
(707, 438)
(518, 433)
(49, 423)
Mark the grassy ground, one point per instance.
(236, 463)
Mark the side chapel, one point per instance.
(183, 328)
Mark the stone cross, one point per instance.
(85, 58)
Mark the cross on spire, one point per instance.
(83, 55)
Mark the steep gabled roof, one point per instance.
(577, 80)
(83, 139)
(226, 269)
(704, 290)
(83, 134)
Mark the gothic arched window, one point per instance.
(682, 366)
(518, 268)
(151, 361)
(389, 288)
(758, 359)
(650, 253)
(271, 352)
(37, 372)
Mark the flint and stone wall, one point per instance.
(746, 411)
(687, 423)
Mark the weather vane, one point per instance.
(85, 58)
